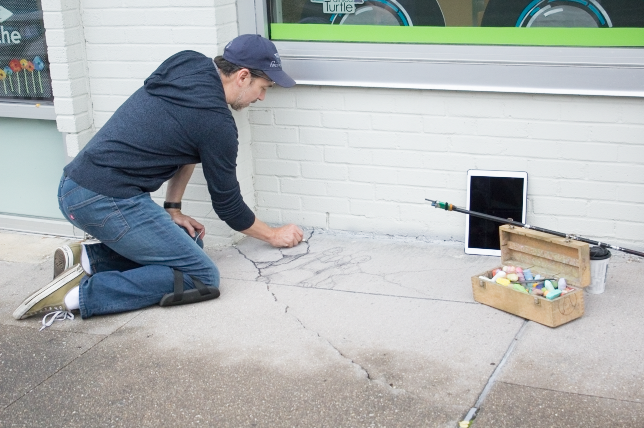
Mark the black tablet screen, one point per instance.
(497, 196)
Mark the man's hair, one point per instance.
(228, 69)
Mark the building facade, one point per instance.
(372, 128)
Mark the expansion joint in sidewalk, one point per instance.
(63, 367)
(471, 414)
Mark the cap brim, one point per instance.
(281, 78)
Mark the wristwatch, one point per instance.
(167, 205)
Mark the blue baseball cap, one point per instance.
(256, 52)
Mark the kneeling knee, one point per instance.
(212, 277)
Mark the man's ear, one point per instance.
(242, 76)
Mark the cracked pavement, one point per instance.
(343, 330)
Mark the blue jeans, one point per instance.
(132, 267)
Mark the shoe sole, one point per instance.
(63, 260)
(48, 289)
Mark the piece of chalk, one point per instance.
(561, 285)
(553, 294)
(499, 274)
(519, 288)
(503, 281)
(549, 286)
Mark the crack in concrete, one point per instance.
(284, 260)
(268, 288)
(364, 370)
(259, 271)
(289, 259)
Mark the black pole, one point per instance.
(449, 207)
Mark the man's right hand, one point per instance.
(284, 236)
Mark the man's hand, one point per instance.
(286, 236)
(191, 225)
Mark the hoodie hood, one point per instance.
(188, 79)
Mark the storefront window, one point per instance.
(615, 23)
(24, 65)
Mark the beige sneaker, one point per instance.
(52, 296)
(70, 255)
(66, 257)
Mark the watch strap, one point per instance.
(167, 205)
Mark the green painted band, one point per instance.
(600, 37)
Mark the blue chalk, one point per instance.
(553, 294)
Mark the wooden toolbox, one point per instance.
(544, 254)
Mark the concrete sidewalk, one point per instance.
(341, 331)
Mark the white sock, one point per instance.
(85, 261)
(72, 299)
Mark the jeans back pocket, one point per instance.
(97, 215)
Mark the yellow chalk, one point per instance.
(503, 281)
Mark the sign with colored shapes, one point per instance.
(24, 65)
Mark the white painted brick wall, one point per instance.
(364, 159)
(68, 66)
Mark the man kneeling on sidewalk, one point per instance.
(146, 254)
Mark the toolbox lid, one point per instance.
(560, 257)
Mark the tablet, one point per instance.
(498, 193)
